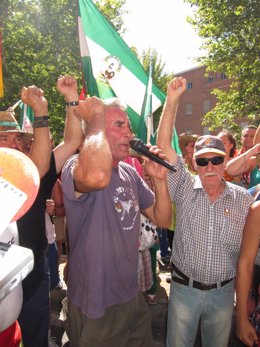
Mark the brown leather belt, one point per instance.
(195, 284)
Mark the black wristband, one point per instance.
(41, 118)
(72, 103)
(43, 124)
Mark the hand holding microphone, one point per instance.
(139, 146)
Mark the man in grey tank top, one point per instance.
(103, 198)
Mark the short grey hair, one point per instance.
(114, 102)
(109, 103)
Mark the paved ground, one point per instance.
(158, 313)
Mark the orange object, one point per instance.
(20, 171)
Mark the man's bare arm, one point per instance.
(257, 136)
(160, 213)
(94, 164)
(67, 86)
(167, 121)
(41, 146)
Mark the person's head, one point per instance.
(186, 144)
(118, 130)
(229, 142)
(247, 137)
(208, 160)
(11, 135)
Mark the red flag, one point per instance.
(82, 94)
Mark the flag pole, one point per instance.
(15, 105)
(149, 115)
(84, 91)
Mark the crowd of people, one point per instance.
(103, 200)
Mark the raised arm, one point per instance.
(160, 213)
(41, 145)
(244, 162)
(257, 136)
(67, 86)
(94, 164)
(167, 121)
(249, 248)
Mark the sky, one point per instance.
(162, 25)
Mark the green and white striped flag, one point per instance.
(26, 118)
(110, 68)
(145, 126)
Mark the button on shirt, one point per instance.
(208, 234)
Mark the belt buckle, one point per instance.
(205, 286)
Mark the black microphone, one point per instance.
(140, 147)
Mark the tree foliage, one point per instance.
(40, 43)
(231, 33)
(113, 10)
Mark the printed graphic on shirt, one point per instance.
(126, 206)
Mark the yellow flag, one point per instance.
(1, 69)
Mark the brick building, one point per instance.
(197, 100)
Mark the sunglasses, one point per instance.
(204, 161)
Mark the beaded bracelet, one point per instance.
(72, 103)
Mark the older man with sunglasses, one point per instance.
(210, 216)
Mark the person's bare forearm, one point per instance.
(162, 206)
(167, 121)
(41, 146)
(257, 136)
(67, 86)
(94, 164)
(243, 162)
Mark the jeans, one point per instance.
(188, 305)
(163, 240)
(52, 257)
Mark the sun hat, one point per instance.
(209, 144)
(185, 138)
(9, 124)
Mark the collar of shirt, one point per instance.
(198, 185)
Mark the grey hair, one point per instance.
(108, 103)
(114, 102)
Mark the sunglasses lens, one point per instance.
(205, 161)
(217, 160)
(202, 161)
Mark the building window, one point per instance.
(206, 106)
(189, 85)
(205, 131)
(223, 76)
(188, 109)
(210, 79)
